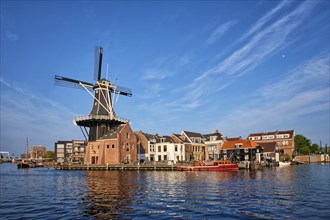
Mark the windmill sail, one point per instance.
(98, 51)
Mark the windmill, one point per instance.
(102, 118)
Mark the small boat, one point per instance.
(23, 164)
(215, 166)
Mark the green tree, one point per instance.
(314, 148)
(300, 141)
(305, 150)
(50, 155)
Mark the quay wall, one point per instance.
(318, 158)
(116, 167)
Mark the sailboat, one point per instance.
(25, 163)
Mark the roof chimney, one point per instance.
(216, 131)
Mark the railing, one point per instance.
(100, 117)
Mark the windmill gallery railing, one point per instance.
(100, 117)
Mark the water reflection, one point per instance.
(273, 193)
(109, 193)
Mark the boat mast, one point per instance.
(26, 150)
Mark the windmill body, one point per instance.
(102, 118)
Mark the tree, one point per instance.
(300, 142)
(314, 148)
(305, 150)
(49, 155)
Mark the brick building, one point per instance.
(284, 141)
(117, 146)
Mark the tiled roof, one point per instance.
(268, 147)
(245, 144)
(193, 134)
(290, 132)
(112, 134)
(168, 139)
(217, 134)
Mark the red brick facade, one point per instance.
(115, 148)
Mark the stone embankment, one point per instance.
(317, 158)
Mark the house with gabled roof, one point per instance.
(117, 146)
(146, 146)
(169, 149)
(213, 145)
(241, 150)
(195, 141)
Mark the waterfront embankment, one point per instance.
(317, 158)
(162, 167)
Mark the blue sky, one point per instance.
(235, 66)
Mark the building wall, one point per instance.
(143, 146)
(121, 149)
(169, 152)
(212, 149)
(128, 143)
(285, 143)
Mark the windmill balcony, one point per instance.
(99, 117)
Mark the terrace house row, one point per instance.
(185, 146)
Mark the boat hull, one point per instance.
(208, 168)
(23, 165)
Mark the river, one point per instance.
(293, 192)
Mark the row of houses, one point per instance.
(122, 145)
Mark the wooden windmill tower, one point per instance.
(102, 117)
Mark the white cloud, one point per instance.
(219, 32)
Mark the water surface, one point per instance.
(294, 192)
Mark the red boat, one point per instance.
(213, 166)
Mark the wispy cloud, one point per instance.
(291, 97)
(219, 32)
(22, 112)
(156, 74)
(259, 46)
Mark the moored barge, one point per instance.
(220, 165)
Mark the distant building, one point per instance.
(169, 149)
(188, 149)
(241, 150)
(284, 141)
(70, 151)
(213, 145)
(61, 149)
(195, 141)
(117, 146)
(37, 152)
(146, 146)
(78, 151)
(269, 149)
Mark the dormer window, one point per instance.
(238, 145)
(162, 140)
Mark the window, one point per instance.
(176, 148)
(162, 140)
(159, 158)
(159, 148)
(108, 146)
(127, 147)
(113, 146)
(165, 157)
(165, 148)
(127, 135)
(95, 159)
